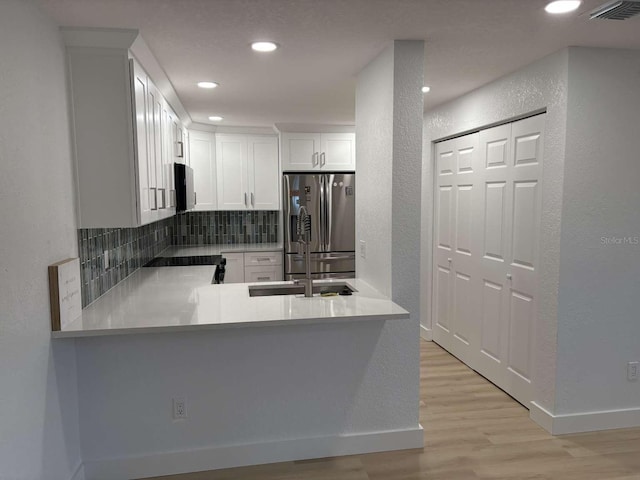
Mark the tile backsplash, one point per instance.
(130, 248)
(226, 227)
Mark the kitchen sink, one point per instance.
(340, 288)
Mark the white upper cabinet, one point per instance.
(231, 160)
(146, 186)
(318, 151)
(122, 132)
(202, 148)
(338, 151)
(263, 173)
(300, 151)
(248, 177)
(153, 178)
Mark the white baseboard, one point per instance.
(541, 416)
(170, 463)
(425, 333)
(584, 422)
(78, 473)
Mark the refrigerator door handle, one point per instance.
(320, 223)
(328, 205)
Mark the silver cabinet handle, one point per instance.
(264, 278)
(245, 200)
(263, 259)
(253, 203)
(180, 149)
(155, 198)
(323, 159)
(164, 198)
(314, 159)
(509, 276)
(449, 260)
(195, 198)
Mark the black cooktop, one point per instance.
(185, 261)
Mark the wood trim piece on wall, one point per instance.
(65, 298)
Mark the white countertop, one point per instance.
(188, 250)
(171, 299)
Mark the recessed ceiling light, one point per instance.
(215, 118)
(207, 84)
(563, 6)
(426, 89)
(264, 46)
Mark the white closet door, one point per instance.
(495, 176)
(486, 237)
(465, 255)
(524, 229)
(456, 257)
(443, 242)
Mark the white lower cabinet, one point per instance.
(263, 274)
(251, 267)
(235, 268)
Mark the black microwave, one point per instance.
(185, 193)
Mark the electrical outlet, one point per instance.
(363, 249)
(106, 259)
(179, 408)
(632, 371)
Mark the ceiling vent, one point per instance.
(618, 10)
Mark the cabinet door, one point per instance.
(338, 151)
(178, 145)
(263, 274)
(300, 152)
(235, 268)
(231, 172)
(202, 146)
(146, 196)
(156, 167)
(187, 147)
(263, 173)
(167, 156)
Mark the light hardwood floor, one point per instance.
(472, 430)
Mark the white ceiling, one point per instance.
(325, 43)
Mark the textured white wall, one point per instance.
(389, 107)
(598, 316)
(243, 386)
(408, 108)
(542, 85)
(38, 390)
(374, 161)
(389, 161)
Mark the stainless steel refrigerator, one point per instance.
(331, 202)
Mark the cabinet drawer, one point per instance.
(262, 258)
(263, 274)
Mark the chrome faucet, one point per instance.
(303, 228)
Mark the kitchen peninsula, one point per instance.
(302, 378)
(175, 299)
